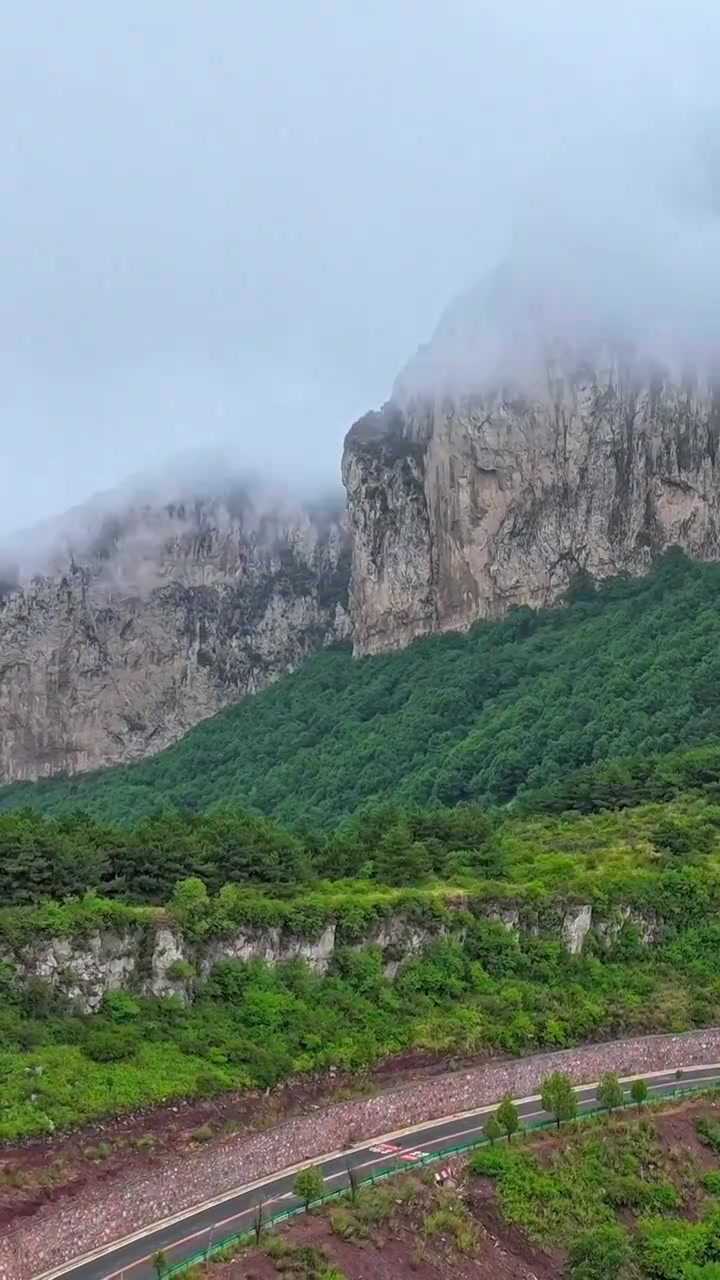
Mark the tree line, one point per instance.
(56, 858)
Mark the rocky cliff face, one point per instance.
(155, 616)
(465, 503)
(155, 959)
(501, 467)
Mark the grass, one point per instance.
(300, 1261)
(611, 1164)
(452, 1221)
(100, 1151)
(203, 1134)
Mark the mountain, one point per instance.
(138, 617)
(630, 667)
(504, 464)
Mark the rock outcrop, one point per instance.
(154, 618)
(464, 503)
(155, 958)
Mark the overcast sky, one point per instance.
(231, 223)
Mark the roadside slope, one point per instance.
(66, 1231)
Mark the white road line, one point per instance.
(360, 1148)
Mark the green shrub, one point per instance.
(669, 1247)
(110, 1044)
(710, 1182)
(488, 1162)
(632, 1192)
(600, 1254)
(708, 1131)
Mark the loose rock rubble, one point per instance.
(62, 1232)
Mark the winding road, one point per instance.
(192, 1231)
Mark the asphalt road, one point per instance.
(197, 1229)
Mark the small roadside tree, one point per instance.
(258, 1221)
(493, 1130)
(558, 1097)
(159, 1261)
(508, 1117)
(609, 1092)
(309, 1185)
(638, 1093)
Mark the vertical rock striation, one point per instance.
(156, 617)
(463, 504)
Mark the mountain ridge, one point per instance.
(504, 465)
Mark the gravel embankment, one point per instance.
(66, 1230)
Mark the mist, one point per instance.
(225, 228)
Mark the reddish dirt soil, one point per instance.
(36, 1172)
(398, 1250)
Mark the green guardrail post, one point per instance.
(669, 1092)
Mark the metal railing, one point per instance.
(248, 1237)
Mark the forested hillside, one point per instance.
(650, 875)
(359, 794)
(627, 668)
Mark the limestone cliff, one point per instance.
(468, 495)
(153, 957)
(152, 616)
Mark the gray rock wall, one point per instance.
(155, 959)
(461, 507)
(163, 616)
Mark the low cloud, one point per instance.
(226, 229)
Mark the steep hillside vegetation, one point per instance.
(628, 668)
(537, 933)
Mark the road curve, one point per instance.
(190, 1232)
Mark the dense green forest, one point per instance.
(550, 759)
(628, 668)
(56, 858)
(46, 859)
(477, 987)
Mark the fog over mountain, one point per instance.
(225, 229)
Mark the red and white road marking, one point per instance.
(388, 1149)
